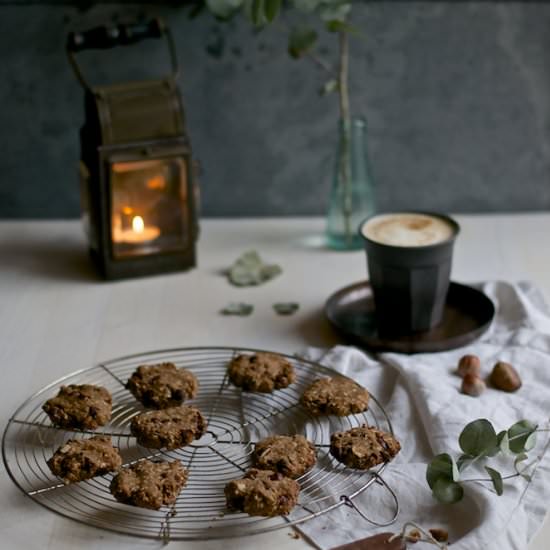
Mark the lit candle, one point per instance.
(138, 234)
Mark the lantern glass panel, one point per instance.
(148, 207)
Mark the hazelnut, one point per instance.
(505, 377)
(440, 535)
(469, 364)
(472, 385)
(414, 536)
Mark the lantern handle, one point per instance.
(102, 38)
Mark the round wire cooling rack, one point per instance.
(236, 420)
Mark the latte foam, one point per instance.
(408, 229)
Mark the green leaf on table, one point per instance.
(478, 438)
(223, 8)
(286, 308)
(447, 491)
(442, 466)
(237, 308)
(301, 41)
(272, 9)
(496, 478)
(522, 436)
(250, 270)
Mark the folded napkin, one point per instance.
(421, 395)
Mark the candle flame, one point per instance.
(137, 224)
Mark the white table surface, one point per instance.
(56, 317)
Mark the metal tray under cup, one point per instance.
(467, 314)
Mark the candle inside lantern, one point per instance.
(138, 233)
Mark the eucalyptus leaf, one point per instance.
(237, 308)
(257, 13)
(447, 491)
(334, 11)
(478, 438)
(329, 86)
(504, 442)
(522, 436)
(300, 41)
(272, 9)
(342, 26)
(286, 308)
(442, 466)
(496, 478)
(518, 460)
(249, 270)
(223, 8)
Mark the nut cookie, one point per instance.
(363, 447)
(261, 372)
(262, 493)
(168, 428)
(162, 385)
(149, 484)
(81, 407)
(290, 455)
(80, 459)
(339, 396)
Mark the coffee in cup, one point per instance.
(409, 257)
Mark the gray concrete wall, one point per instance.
(457, 95)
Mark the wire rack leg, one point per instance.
(348, 502)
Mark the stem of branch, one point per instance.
(345, 168)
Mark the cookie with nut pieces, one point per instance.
(290, 455)
(363, 447)
(168, 428)
(162, 385)
(338, 396)
(80, 407)
(262, 493)
(261, 372)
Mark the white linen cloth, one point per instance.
(421, 394)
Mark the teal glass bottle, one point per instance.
(352, 195)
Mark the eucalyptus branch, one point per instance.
(479, 440)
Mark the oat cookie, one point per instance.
(261, 372)
(262, 493)
(81, 407)
(162, 385)
(290, 455)
(168, 428)
(339, 396)
(363, 447)
(149, 484)
(80, 459)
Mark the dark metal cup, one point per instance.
(409, 283)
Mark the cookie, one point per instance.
(149, 484)
(80, 459)
(262, 493)
(261, 372)
(290, 455)
(339, 396)
(163, 385)
(363, 447)
(168, 428)
(80, 407)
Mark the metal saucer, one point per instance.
(468, 314)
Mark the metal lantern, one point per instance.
(136, 170)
